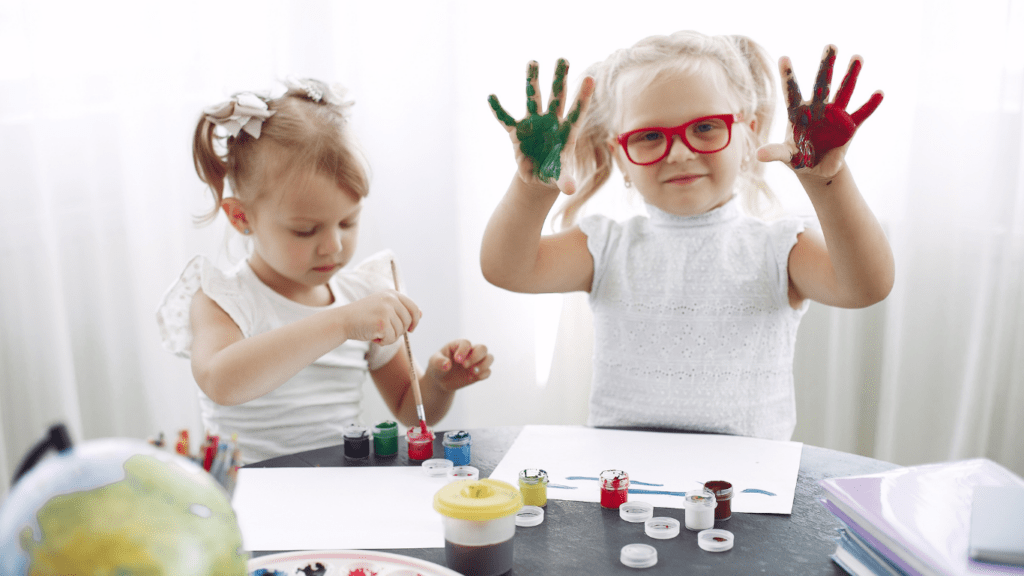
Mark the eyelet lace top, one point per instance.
(692, 324)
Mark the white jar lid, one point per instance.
(636, 511)
(662, 527)
(463, 473)
(638, 555)
(529, 516)
(436, 466)
(715, 540)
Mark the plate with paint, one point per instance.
(344, 563)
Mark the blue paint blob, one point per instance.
(758, 491)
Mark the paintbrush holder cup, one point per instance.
(479, 518)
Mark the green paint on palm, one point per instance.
(542, 137)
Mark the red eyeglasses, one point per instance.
(705, 135)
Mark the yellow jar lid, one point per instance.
(485, 499)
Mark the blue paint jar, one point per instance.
(456, 447)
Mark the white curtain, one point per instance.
(98, 102)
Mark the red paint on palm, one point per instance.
(820, 126)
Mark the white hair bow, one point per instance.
(245, 111)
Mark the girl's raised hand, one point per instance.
(820, 131)
(459, 364)
(544, 142)
(382, 317)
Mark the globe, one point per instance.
(118, 507)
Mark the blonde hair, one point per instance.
(749, 81)
(313, 134)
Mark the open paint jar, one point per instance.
(456, 447)
(614, 488)
(385, 439)
(357, 442)
(723, 495)
(421, 446)
(699, 509)
(479, 519)
(533, 484)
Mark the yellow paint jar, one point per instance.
(533, 484)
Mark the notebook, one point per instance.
(997, 524)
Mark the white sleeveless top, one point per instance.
(692, 324)
(308, 411)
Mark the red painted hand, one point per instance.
(819, 126)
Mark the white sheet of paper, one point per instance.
(335, 508)
(678, 462)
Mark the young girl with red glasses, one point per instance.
(282, 343)
(696, 305)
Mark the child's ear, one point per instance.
(236, 214)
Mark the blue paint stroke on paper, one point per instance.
(661, 492)
(758, 491)
(631, 481)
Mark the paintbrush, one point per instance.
(412, 368)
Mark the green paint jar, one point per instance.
(533, 484)
(385, 439)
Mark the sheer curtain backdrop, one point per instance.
(98, 102)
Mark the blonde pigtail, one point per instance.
(210, 166)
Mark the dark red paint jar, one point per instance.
(723, 494)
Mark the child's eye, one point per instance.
(304, 233)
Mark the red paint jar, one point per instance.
(614, 488)
(723, 494)
(421, 445)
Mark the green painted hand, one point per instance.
(544, 138)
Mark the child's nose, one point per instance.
(331, 243)
(680, 151)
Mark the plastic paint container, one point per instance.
(357, 442)
(421, 446)
(723, 495)
(699, 507)
(456, 447)
(614, 488)
(662, 528)
(533, 484)
(463, 473)
(385, 439)
(636, 511)
(638, 555)
(479, 519)
(715, 540)
(437, 467)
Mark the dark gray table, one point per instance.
(584, 538)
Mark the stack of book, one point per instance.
(918, 520)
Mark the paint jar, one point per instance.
(699, 509)
(385, 439)
(479, 518)
(463, 473)
(456, 447)
(723, 495)
(614, 488)
(357, 442)
(421, 446)
(533, 484)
